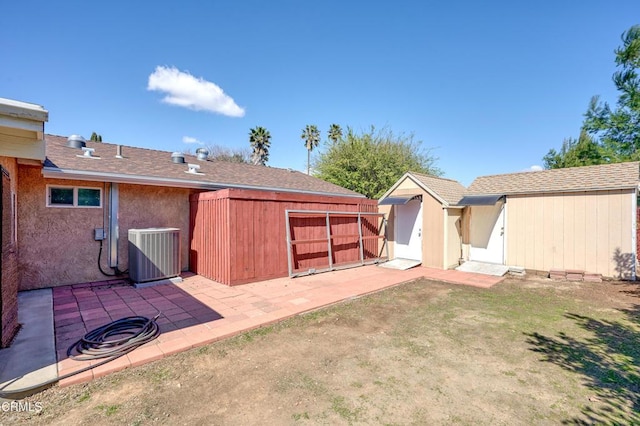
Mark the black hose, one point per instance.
(97, 345)
(117, 271)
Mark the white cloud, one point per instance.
(191, 140)
(183, 89)
(535, 168)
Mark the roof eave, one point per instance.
(23, 110)
(57, 173)
(558, 191)
(417, 182)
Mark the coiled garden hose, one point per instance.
(97, 344)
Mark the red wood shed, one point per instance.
(239, 236)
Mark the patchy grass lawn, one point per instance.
(523, 352)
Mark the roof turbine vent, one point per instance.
(88, 153)
(202, 154)
(76, 141)
(194, 169)
(177, 157)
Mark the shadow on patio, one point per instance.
(199, 311)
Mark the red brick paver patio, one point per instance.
(199, 311)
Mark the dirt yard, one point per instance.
(522, 352)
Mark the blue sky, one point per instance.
(490, 86)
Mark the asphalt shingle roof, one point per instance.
(148, 163)
(448, 189)
(600, 177)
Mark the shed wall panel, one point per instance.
(432, 232)
(557, 227)
(547, 235)
(454, 241)
(590, 231)
(590, 221)
(256, 234)
(538, 237)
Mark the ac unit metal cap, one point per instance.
(177, 157)
(76, 141)
(202, 154)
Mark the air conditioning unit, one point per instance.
(154, 254)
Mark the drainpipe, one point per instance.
(114, 195)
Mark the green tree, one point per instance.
(260, 141)
(372, 161)
(619, 128)
(95, 137)
(614, 131)
(574, 153)
(334, 133)
(311, 136)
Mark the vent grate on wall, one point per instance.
(154, 254)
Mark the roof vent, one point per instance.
(202, 154)
(88, 153)
(119, 151)
(76, 141)
(177, 157)
(194, 169)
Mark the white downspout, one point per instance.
(114, 196)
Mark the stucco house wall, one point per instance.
(9, 279)
(57, 245)
(143, 206)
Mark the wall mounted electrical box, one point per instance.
(98, 234)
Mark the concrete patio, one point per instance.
(199, 311)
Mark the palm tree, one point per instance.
(260, 140)
(335, 132)
(311, 137)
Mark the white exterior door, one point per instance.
(408, 230)
(487, 234)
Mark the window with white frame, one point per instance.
(73, 196)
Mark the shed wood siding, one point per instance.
(389, 214)
(589, 231)
(432, 232)
(454, 241)
(239, 236)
